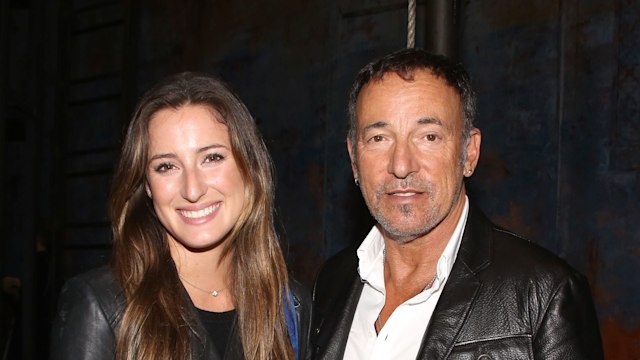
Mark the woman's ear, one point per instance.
(148, 190)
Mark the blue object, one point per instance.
(292, 323)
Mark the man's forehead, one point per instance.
(410, 75)
(430, 100)
(419, 79)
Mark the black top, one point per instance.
(220, 326)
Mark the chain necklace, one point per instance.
(213, 293)
(428, 286)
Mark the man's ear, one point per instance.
(473, 151)
(354, 161)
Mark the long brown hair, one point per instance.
(157, 312)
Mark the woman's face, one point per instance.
(192, 176)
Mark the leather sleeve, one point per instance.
(303, 306)
(569, 327)
(82, 328)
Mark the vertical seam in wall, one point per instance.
(561, 107)
(335, 24)
(4, 79)
(614, 131)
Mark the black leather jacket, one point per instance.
(89, 313)
(505, 298)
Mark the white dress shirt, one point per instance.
(402, 334)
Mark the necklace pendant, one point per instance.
(215, 293)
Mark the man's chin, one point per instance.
(402, 233)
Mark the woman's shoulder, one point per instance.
(302, 306)
(89, 311)
(301, 294)
(96, 288)
(100, 280)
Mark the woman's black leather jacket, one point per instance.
(90, 309)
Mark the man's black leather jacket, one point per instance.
(505, 298)
(90, 309)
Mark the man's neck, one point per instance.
(422, 253)
(415, 261)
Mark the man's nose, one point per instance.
(403, 160)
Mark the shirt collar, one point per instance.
(370, 255)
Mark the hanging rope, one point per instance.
(411, 25)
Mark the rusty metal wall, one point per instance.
(558, 107)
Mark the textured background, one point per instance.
(559, 101)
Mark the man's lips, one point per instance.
(404, 193)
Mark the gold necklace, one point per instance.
(213, 293)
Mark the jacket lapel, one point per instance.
(340, 323)
(460, 290)
(449, 315)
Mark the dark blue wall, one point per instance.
(559, 101)
(559, 106)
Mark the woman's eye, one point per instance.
(164, 167)
(213, 158)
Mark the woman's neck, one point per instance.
(205, 276)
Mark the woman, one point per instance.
(197, 270)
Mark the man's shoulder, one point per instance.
(345, 259)
(336, 275)
(487, 247)
(341, 265)
(540, 295)
(518, 259)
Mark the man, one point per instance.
(434, 279)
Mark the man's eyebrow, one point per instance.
(375, 125)
(429, 120)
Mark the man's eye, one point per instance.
(376, 138)
(431, 137)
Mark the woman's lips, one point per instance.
(195, 215)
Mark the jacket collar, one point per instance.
(461, 289)
(475, 249)
(335, 298)
(337, 303)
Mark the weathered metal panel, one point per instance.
(558, 106)
(514, 67)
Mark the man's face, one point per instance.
(410, 153)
